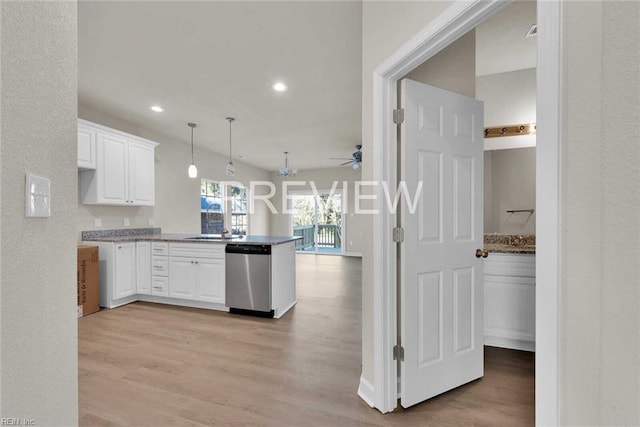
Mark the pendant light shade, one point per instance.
(231, 169)
(193, 170)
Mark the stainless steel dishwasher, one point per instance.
(248, 279)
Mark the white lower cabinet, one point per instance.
(210, 280)
(160, 286)
(189, 274)
(125, 270)
(196, 272)
(143, 268)
(509, 301)
(118, 272)
(182, 277)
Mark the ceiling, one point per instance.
(501, 44)
(205, 60)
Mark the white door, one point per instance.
(441, 278)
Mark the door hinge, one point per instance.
(398, 234)
(398, 353)
(398, 116)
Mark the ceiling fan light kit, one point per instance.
(355, 161)
(285, 171)
(193, 170)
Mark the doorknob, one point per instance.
(481, 253)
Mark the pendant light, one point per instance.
(231, 169)
(285, 171)
(193, 170)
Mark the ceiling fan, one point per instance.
(354, 161)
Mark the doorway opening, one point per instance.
(317, 218)
(444, 30)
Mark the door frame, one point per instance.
(453, 23)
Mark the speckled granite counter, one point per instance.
(155, 234)
(510, 243)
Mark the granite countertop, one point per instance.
(510, 243)
(155, 234)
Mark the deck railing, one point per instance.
(327, 236)
(307, 241)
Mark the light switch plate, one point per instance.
(126, 222)
(37, 196)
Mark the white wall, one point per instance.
(323, 179)
(177, 208)
(512, 185)
(38, 337)
(454, 68)
(600, 202)
(509, 99)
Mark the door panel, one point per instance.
(441, 289)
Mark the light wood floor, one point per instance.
(154, 365)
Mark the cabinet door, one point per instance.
(210, 280)
(86, 148)
(141, 174)
(143, 268)
(182, 277)
(112, 170)
(125, 270)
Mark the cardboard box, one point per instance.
(88, 280)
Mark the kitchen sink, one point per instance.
(211, 237)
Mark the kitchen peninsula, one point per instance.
(186, 269)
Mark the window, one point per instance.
(215, 200)
(239, 210)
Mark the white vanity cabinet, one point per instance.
(509, 301)
(124, 172)
(196, 272)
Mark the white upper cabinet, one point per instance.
(86, 147)
(124, 169)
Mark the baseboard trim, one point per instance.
(366, 392)
(353, 254)
(509, 343)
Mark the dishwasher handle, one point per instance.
(248, 249)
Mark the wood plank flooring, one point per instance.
(155, 365)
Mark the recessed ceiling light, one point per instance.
(279, 87)
(157, 109)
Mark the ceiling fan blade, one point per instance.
(346, 163)
(340, 158)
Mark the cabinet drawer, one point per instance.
(160, 286)
(197, 250)
(160, 266)
(160, 248)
